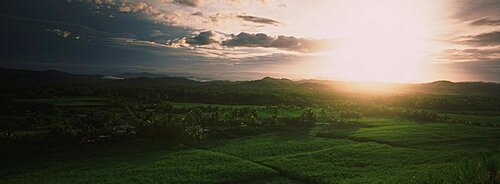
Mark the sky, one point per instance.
(352, 40)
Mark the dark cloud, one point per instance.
(249, 40)
(281, 42)
(191, 3)
(259, 20)
(198, 14)
(483, 39)
(474, 9)
(486, 21)
(204, 38)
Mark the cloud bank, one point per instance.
(262, 40)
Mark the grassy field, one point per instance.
(478, 119)
(382, 150)
(77, 102)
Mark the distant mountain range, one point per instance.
(129, 75)
(11, 78)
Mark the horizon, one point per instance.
(202, 79)
(410, 41)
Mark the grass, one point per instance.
(492, 120)
(408, 133)
(322, 160)
(73, 101)
(387, 150)
(25, 133)
(143, 161)
(190, 105)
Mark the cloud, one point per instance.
(130, 38)
(474, 9)
(467, 55)
(247, 40)
(157, 33)
(217, 17)
(486, 21)
(259, 20)
(149, 11)
(204, 38)
(140, 7)
(201, 39)
(191, 3)
(198, 14)
(192, 14)
(102, 2)
(63, 33)
(281, 42)
(483, 39)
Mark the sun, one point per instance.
(383, 41)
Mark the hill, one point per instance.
(22, 79)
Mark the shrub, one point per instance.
(479, 171)
(349, 115)
(420, 115)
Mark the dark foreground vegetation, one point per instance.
(62, 128)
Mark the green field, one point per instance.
(491, 120)
(382, 150)
(69, 102)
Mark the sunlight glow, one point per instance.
(382, 41)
